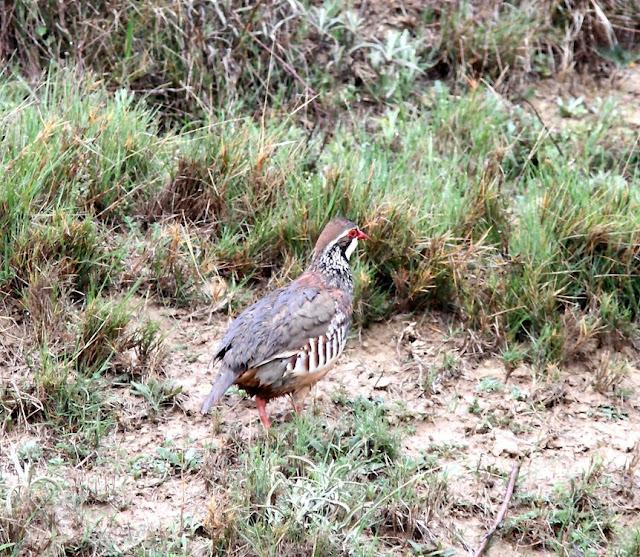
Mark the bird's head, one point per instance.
(341, 233)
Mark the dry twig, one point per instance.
(503, 509)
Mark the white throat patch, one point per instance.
(351, 248)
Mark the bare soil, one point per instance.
(467, 412)
(623, 87)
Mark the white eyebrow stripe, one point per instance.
(336, 239)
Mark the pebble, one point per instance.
(505, 442)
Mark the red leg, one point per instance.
(261, 404)
(297, 399)
(297, 407)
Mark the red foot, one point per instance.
(261, 404)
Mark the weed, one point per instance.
(512, 358)
(608, 375)
(167, 461)
(157, 393)
(148, 345)
(30, 450)
(27, 511)
(572, 108)
(519, 395)
(490, 385)
(332, 486)
(101, 335)
(180, 460)
(611, 413)
(173, 259)
(474, 407)
(176, 540)
(449, 367)
(573, 518)
(630, 546)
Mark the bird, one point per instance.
(288, 340)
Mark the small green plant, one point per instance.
(446, 450)
(30, 450)
(73, 405)
(519, 395)
(396, 60)
(512, 357)
(157, 393)
(571, 518)
(27, 506)
(612, 413)
(447, 368)
(167, 461)
(490, 385)
(180, 460)
(630, 545)
(572, 107)
(474, 407)
(147, 341)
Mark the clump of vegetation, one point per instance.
(330, 488)
(28, 510)
(72, 164)
(191, 59)
(63, 384)
(467, 206)
(573, 518)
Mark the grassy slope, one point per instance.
(470, 204)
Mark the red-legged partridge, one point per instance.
(288, 340)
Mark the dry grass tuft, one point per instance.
(610, 372)
(194, 196)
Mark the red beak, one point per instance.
(361, 235)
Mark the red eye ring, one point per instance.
(358, 234)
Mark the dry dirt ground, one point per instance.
(463, 409)
(473, 418)
(623, 88)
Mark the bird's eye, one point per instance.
(357, 234)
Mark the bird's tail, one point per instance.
(225, 379)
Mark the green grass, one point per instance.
(309, 489)
(575, 517)
(190, 60)
(302, 488)
(469, 205)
